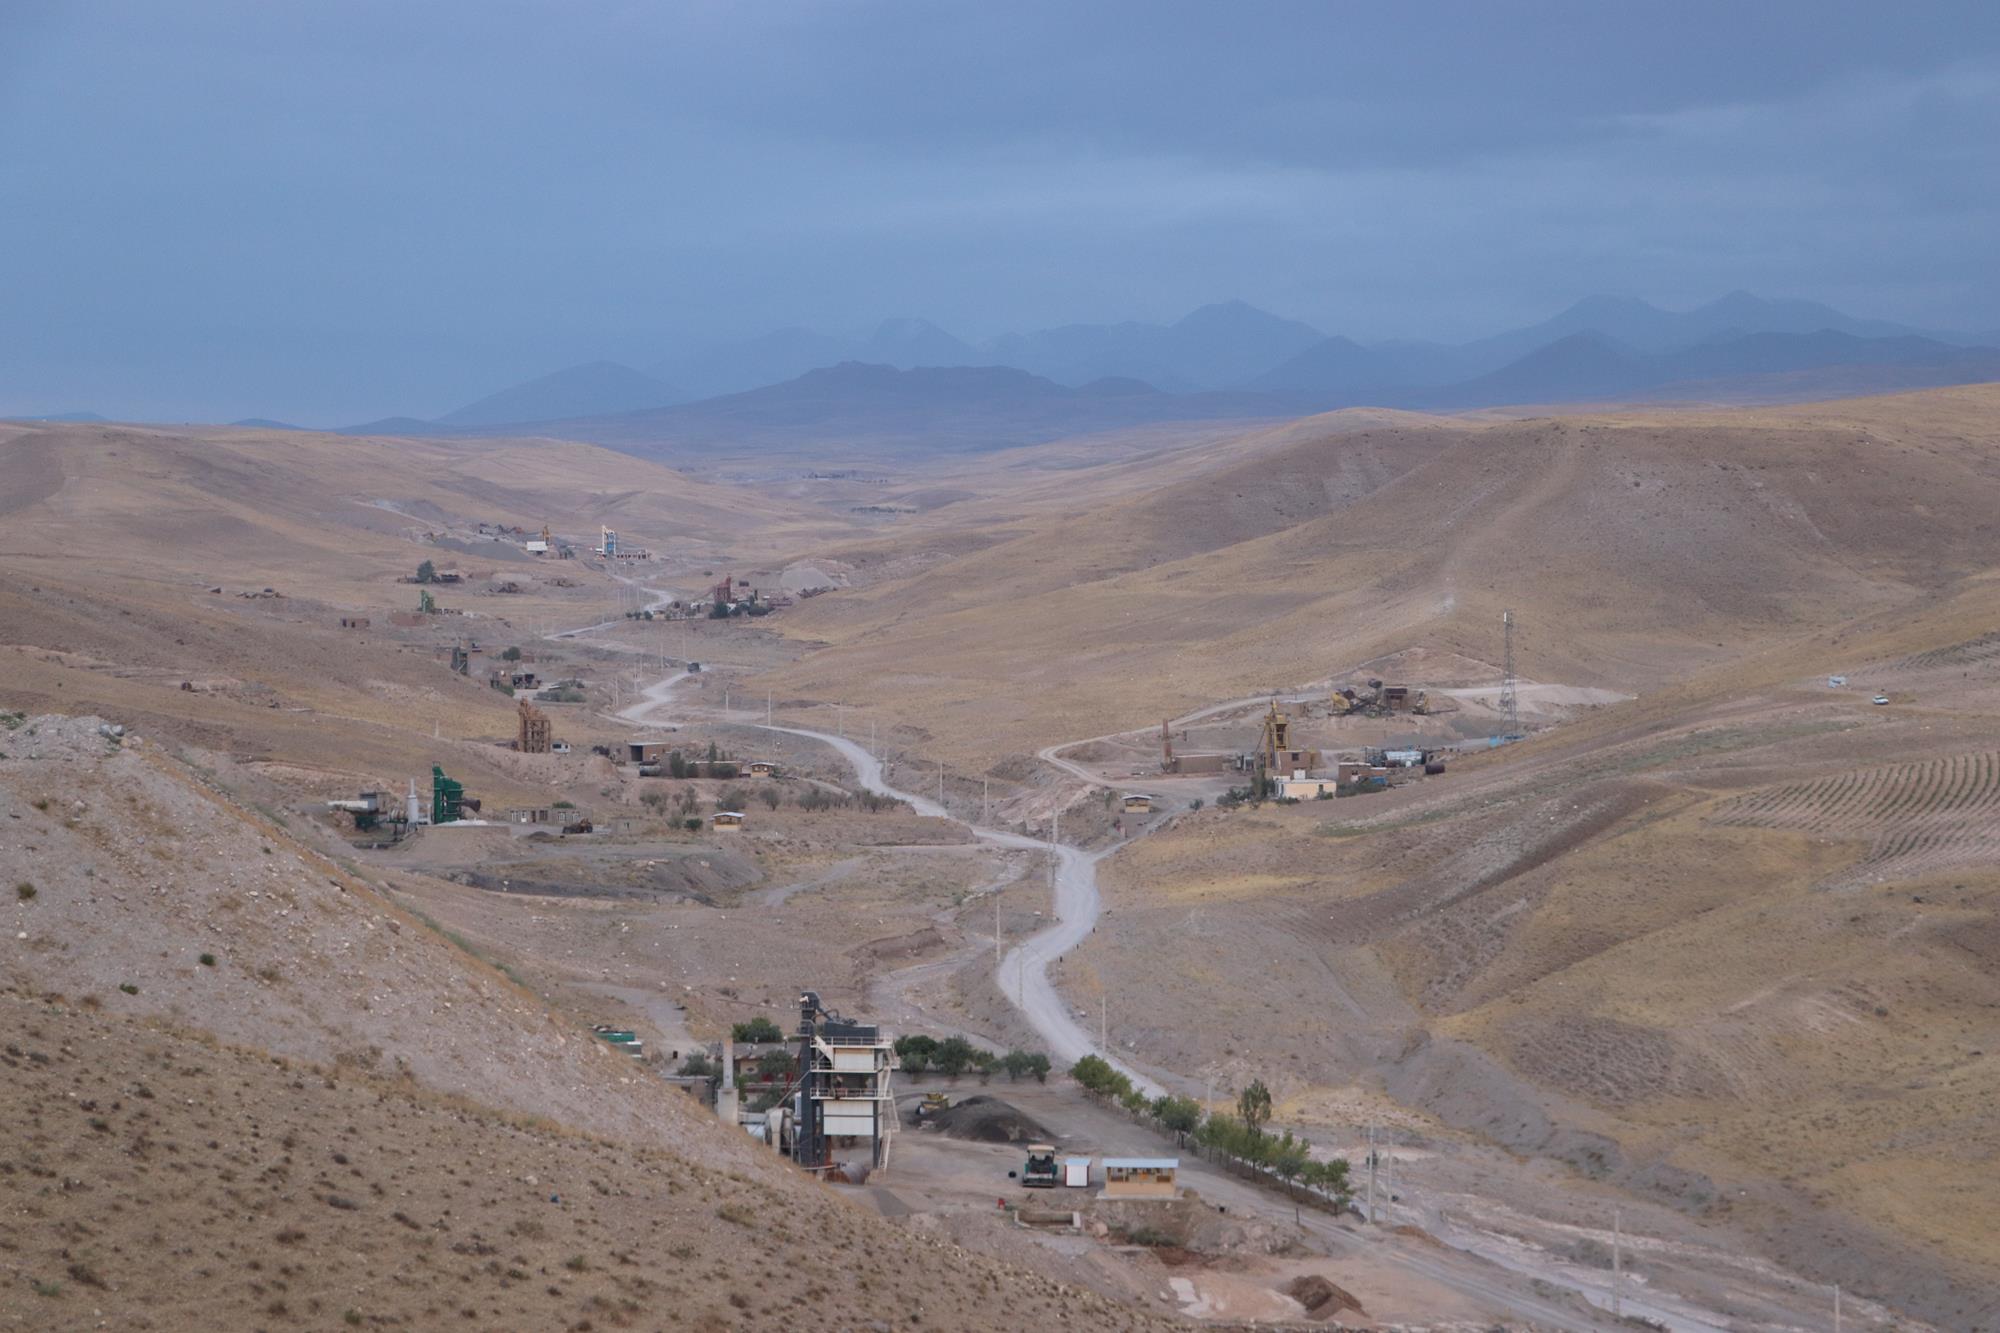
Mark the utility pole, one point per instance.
(1103, 1020)
(1836, 1307)
(996, 930)
(840, 718)
(940, 778)
(1389, 1178)
(767, 708)
(1371, 1175)
(1510, 703)
(1618, 1267)
(984, 784)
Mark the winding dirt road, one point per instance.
(1023, 973)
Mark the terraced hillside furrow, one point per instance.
(1985, 648)
(1919, 817)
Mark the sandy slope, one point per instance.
(346, 1153)
(1633, 549)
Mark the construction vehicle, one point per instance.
(932, 1106)
(1041, 1171)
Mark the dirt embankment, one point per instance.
(159, 1180)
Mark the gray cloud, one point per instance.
(332, 212)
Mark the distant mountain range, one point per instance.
(927, 408)
(1223, 360)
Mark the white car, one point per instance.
(1881, 698)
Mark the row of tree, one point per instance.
(1239, 1139)
(955, 1056)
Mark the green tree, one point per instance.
(1254, 1105)
(916, 1062)
(759, 1028)
(1098, 1075)
(427, 572)
(511, 655)
(1038, 1065)
(1288, 1162)
(779, 1065)
(677, 765)
(1180, 1116)
(1132, 1099)
(1015, 1063)
(954, 1056)
(769, 796)
(1330, 1176)
(916, 1043)
(426, 604)
(698, 1065)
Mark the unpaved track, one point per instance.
(1024, 971)
(1023, 977)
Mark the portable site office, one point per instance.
(1140, 1177)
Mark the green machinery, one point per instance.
(448, 802)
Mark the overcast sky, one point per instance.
(326, 212)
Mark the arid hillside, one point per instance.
(1632, 548)
(1735, 945)
(136, 562)
(244, 1090)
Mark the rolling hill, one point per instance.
(1645, 545)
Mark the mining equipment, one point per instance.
(369, 809)
(1041, 1171)
(579, 826)
(449, 803)
(843, 1094)
(1276, 756)
(1379, 700)
(535, 732)
(932, 1106)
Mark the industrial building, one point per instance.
(844, 1101)
(647, 752)
(1185, 764)
(1276, 755)
(1138, 803)
(611, 548)
(536, 734)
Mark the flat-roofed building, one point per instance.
(1141, 1177)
